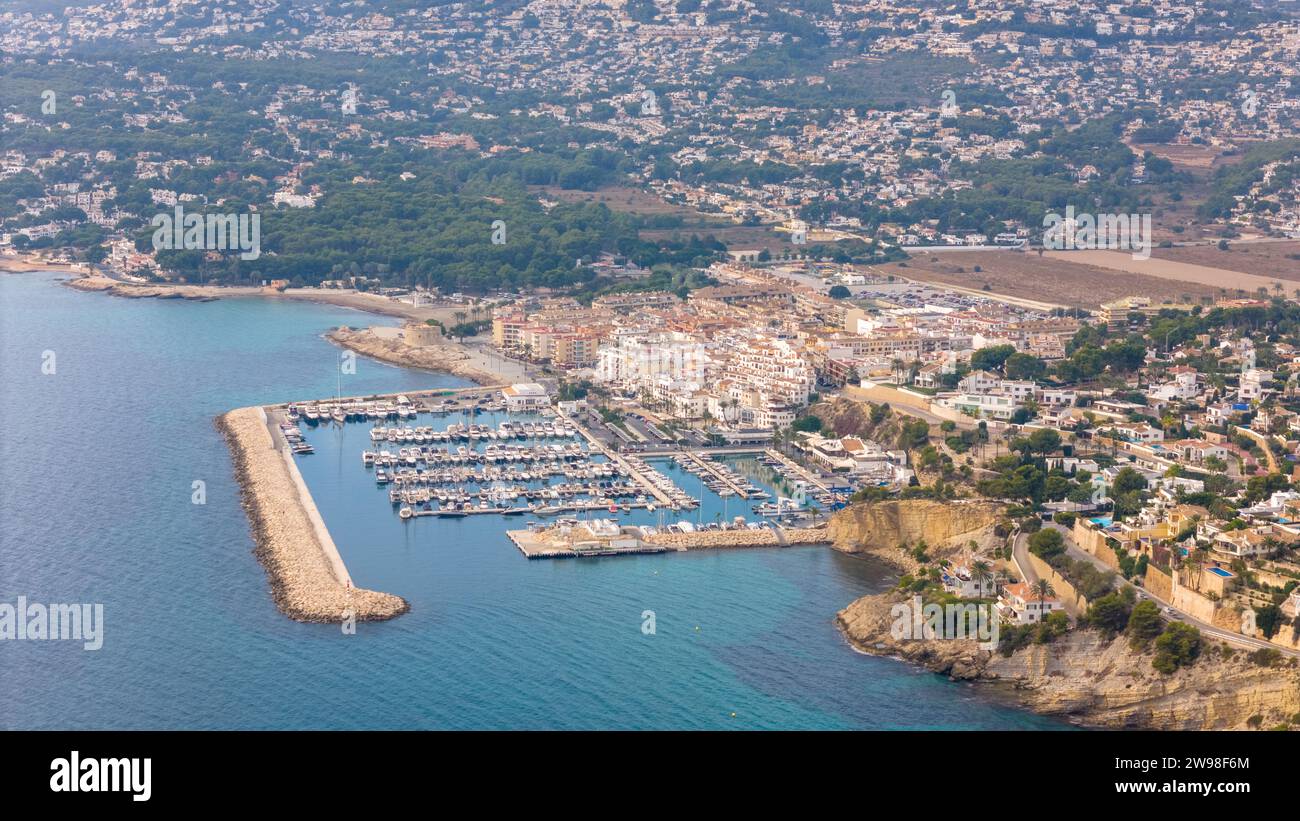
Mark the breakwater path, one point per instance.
(309, 581)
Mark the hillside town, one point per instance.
(808, 239)
(740, 140)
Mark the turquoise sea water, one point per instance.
(97, 464)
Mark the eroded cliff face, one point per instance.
(1090, 681)
(1104, 683)
(880, 527)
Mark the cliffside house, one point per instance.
(1019, 605)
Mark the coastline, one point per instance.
(1078, 677)
(719, 539)
(28, 263)
(1083, 676)
(367, 303)
(445, 357)
(309, 582)
(1090, 680)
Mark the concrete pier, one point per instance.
(548, 545)
(713, 471)
(797, 468)
(650, 487)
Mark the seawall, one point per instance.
(766, 537)
(309, 581)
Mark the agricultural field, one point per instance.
(1273, 260)
(1030, 276)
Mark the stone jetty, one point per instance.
(741, 537)
(308, 579)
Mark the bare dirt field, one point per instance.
(1184, 157)
(1275, 260)
(1186, 274)
(1026, 275)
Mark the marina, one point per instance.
(447, 455)
(183, 591)
(720, 477)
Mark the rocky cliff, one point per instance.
(880, 527)
(1088, 680)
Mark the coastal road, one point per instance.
(1020, 555)
(1075, 552)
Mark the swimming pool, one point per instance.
(1219, 571)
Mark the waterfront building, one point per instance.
(525, 396)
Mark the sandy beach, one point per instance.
(450, 356)
(309, 581)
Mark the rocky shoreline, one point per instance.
(446, 357)
(1081, 677)
(1092, 681)
(442, 358)
(305, 583)
(101, 284)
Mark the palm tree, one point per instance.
(1201, 555)
(982, 572)
(1042, 590)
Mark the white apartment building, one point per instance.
(1017, 389)
(979, 382)
(773, 367)
(1251, 385)
(1056, 397)
(637, 359)
(1138, 432)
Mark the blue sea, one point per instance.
(98, 465)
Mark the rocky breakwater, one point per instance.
(880, 528)
(1091, 680)
(103, 284)
(308, 580)
(764, 537)
(445, 357)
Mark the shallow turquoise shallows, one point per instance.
(97, 469)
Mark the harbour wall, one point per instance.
(764, 537)
(309, 581)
